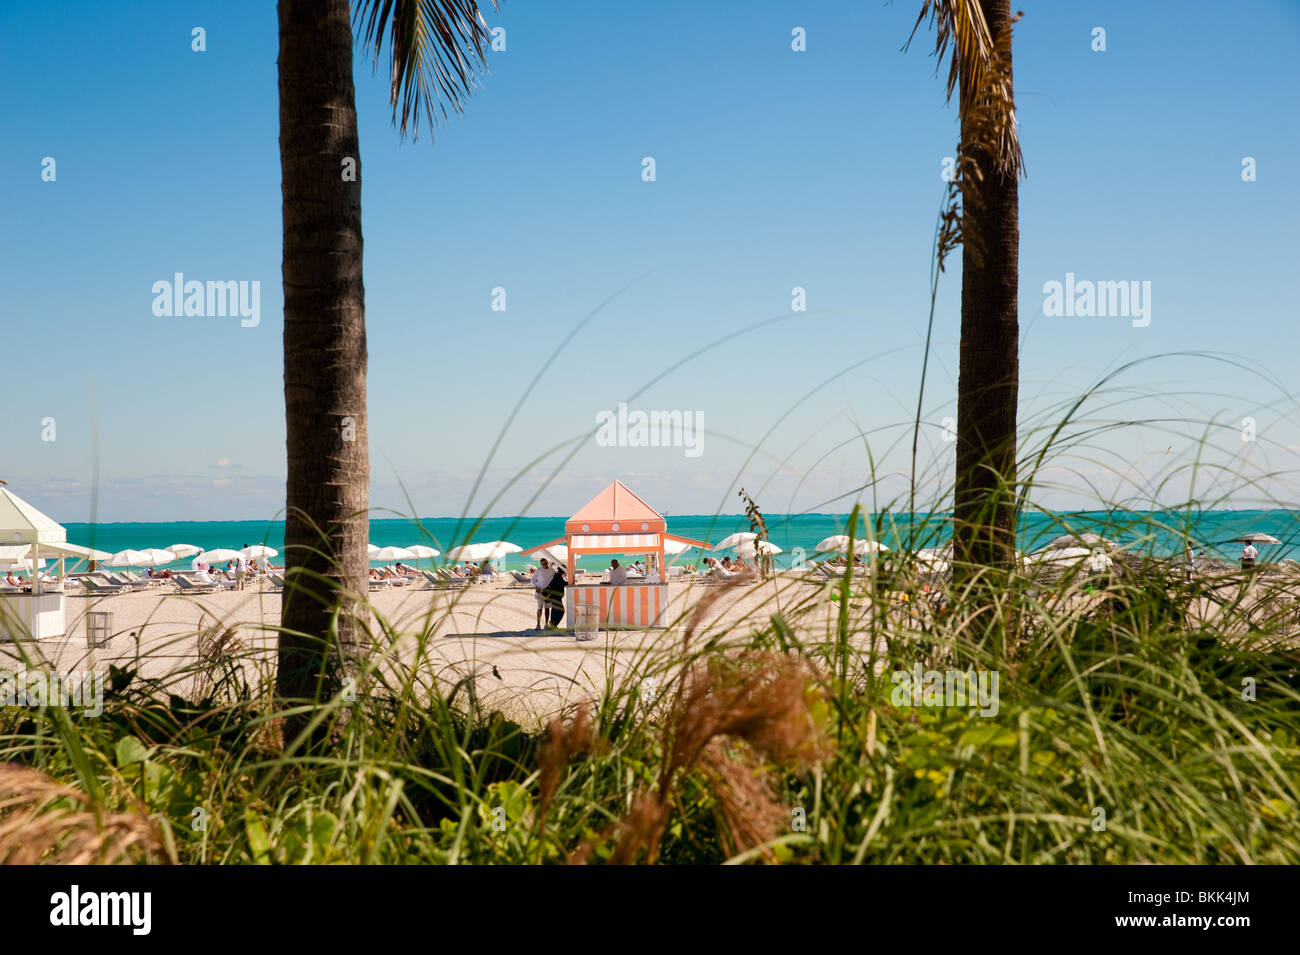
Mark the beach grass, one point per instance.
(1141, 719)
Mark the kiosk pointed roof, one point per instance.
(617, 504)
(20, 523)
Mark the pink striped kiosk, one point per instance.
(616, 522)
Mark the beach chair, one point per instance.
(277, 583)
(135, 580)
(117, 580)
(449, 581)
(519, 580)
(188, 586)
(100, 587)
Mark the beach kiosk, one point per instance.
(616, 522)
(35, 611)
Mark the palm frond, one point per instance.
(980, 68)
(436, 47)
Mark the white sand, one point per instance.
(481, 631)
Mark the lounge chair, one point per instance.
(117, 580)
(520, 580)
(188, 585)
(447, 580)
(102, 587)
(135, 580)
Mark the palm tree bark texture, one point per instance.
(327, 491)
(989, 365)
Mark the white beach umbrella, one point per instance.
(763, 547)
(20, 563)
(392, 553)
(218, 554)
(469, 552)
(260, 551)
(556, 553)
(743, 537)
(1095, 557)
(1088, 540)
(674, 547)
(490, 550)
(420, 551)
(1256, 539)
(839, 543)
(158, 555)
(833, 544)
(184, 550)
(130, 558)
(370, 549)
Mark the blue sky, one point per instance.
(774, 169)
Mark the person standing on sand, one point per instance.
(1249, 554)
(541, 579)
(555, 598)
(241, 569)
(1191, 560)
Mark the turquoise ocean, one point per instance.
(1161, 534)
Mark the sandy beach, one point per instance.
(484, 632)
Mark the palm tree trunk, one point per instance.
(989, 368)
(328, 486)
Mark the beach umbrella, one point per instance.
(1078, 540)
(763, 547)
(1256, 539)
(421, 551)
(20, 563)
(468, 552)
(392, 553)
(217, 555)
(490, 550)
(1095, 557)
(839, 543)
(184, 550)
(370, 549)
(743, 537)
(674, 546)
(556, 553)
(130, 558)
(158, 555)
(260, 551)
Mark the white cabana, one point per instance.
(37, 614)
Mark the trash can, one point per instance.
(586, 621)
(99, 628)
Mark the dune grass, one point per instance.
(1146, 719)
